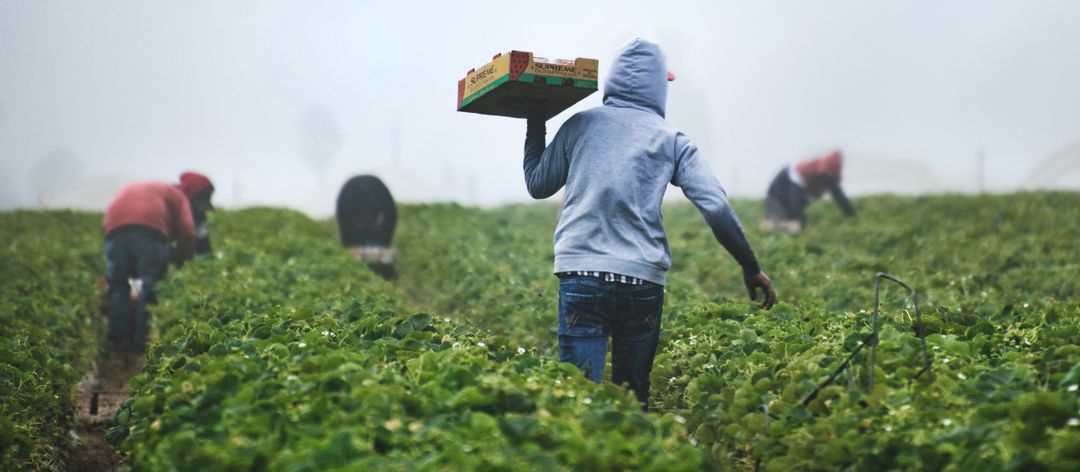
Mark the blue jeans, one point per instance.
(592, 310)
(127, 256)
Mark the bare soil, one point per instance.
(101, 392)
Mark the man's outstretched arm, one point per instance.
(701, 187)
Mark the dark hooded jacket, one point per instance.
(366, 214)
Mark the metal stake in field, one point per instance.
(872, 339)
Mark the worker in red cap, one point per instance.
(198, 189)
(796, 186)
(140, 226)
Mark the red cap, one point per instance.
(192, 183)
(670, 76)
(830, 164)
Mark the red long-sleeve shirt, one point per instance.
(156, 205)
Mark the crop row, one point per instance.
(996, 282)
(284, 354)
(49, 262)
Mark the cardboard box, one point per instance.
(501, 86)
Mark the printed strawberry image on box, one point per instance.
(513, 83)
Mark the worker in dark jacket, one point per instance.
(199, 190)
(797, 186)
(140, 224)
(366, 218)
(614, 163)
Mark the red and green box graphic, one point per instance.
(555, 85)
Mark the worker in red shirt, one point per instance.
(140, 225)
(799, 185)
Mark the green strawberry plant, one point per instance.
(49, 325)
(283, 353)
(286, 354)
(997, 281)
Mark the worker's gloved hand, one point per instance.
(763, 282)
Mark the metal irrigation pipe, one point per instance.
(872, 339)
(867, 340)
(918, 326)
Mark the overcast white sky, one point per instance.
(280, 102)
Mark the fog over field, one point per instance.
(280, 102)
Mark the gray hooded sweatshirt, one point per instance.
(616, 161)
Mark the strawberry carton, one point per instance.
(511, 81)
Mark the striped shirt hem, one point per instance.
(605, 276)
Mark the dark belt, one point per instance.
(140, 230)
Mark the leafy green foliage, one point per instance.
(997, 285)
(285, 354)
(492, 269)
(48, 330)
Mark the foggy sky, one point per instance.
(280, 102)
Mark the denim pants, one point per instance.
(592, 310)
(131, 255)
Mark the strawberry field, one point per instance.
(285, 354)
(48, 330)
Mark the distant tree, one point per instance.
(320, 139)
(55, 171)
(9, 195)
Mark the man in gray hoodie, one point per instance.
(611, 251)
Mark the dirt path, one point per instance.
(101, 392)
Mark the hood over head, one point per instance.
(638, 77)
(830, 164)
(822, 174)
